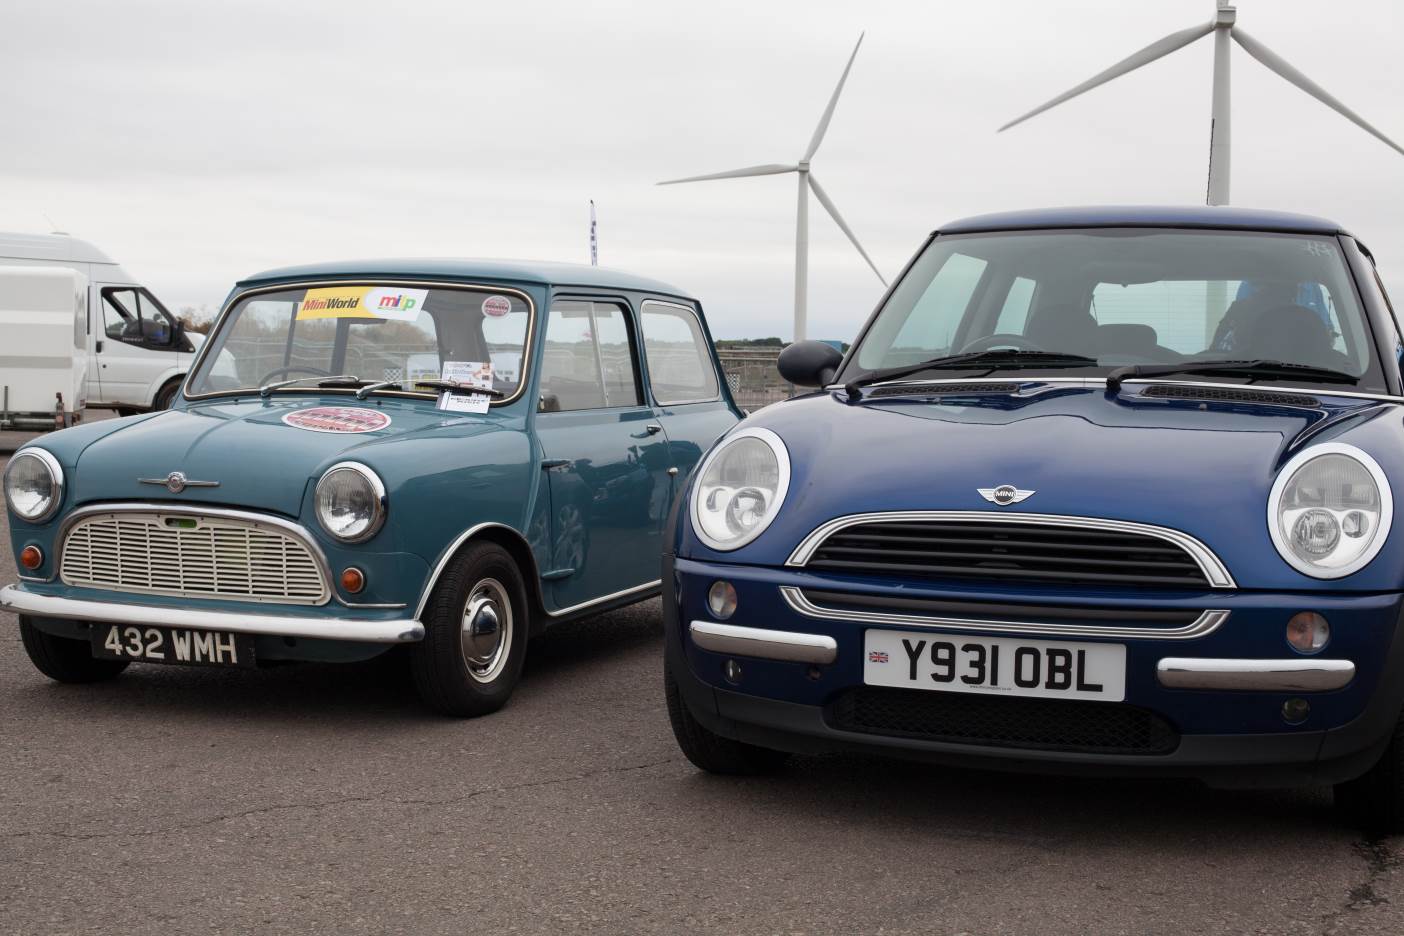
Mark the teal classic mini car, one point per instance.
(451, 455)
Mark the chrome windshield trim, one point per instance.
(1202, 626)
(1291, 675)
(17, 600)
(295, 530)
(767, 644)
(240, 295)
(1214, 570)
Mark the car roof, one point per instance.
(56, 246)
(516, 271)
(1195, 216)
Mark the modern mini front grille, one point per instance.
(959, 549)
(945, 389)
(1003, 721)
(1228, 395)
(192, 556)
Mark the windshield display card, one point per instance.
(470, 374)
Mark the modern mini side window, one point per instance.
(679, 367)
(588, 361)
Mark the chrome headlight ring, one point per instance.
(1314, 530)
(350, 502)
(740, 488)
(50, 466)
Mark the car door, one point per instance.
(684, 384)
(605, 453)
(139, 343)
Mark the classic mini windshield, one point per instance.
(385, 332)
(1124, 297)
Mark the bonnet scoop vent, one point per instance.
(1230, 395)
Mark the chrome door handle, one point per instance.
(673, 471)
(653, 428)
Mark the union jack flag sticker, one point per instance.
(877, 656)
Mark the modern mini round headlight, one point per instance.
(350, 502)
(740, 487)
(34, 485)
(1330, 510)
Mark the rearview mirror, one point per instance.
(809, 363)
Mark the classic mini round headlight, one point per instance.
(350, 502)
(740, 487)
(34, 485)
(1330, 510)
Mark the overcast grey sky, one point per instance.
(198, 143)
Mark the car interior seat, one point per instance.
(1061, 328)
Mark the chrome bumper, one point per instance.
(17, 600)
(1294, 675)
(768, 644)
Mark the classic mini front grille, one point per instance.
(1227, 395)
(945, 389)
(1007, 551)
(191, 557)
(1003, 721)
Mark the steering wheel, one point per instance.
(1000, 341)
(315, 371)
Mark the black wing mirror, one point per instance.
(809, 363)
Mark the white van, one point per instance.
(138, 353)
(44, 364)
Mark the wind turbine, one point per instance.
(1224, 28)
(807, 182)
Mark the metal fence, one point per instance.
(753, 378)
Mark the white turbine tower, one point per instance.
(1224, 28)
(807, 182)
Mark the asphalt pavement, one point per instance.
(318, 798)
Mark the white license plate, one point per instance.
(1047, 669)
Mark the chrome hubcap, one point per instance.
(486, 633)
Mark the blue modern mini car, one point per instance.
(449, 455)
(1101, 490)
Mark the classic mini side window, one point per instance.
(588, 361)
(132, 317)
(679, 367)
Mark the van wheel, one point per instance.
(166, 395)
(64, 659)
(475, 633)
(710, 751)
(1375, 800)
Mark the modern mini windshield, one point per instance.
(1125, 297)
(377, 333)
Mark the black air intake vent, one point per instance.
(1226, 395)
(944, 389)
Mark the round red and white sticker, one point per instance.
(337, 419)
(496, 306)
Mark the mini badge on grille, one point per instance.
(1005, 494)
(176, 481)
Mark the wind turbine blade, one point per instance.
(1158, 49)
(833, 211)
(1276, 63)
(823, 127)
(772, 169)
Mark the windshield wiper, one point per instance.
(460, 387)
(1003, 359)
(340, 380)
(1253, 369)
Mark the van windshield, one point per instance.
(377, 332)
(1125, 297)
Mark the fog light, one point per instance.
(732, 671)
(31, 557)
(1308, 632)
(352, 580)
(721, 600)
(1295, 711)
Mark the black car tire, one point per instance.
(64, 659)
(482, 575)
(166, 395)
(710, 751)
(1374, 801)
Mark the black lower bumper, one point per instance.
(1284, 759)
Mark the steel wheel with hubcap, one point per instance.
(475, 628)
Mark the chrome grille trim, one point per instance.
(1203, 626)
(232, 555)
(1215, 572)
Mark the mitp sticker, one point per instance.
(370, 302)
(337, 419)
(496, 306)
